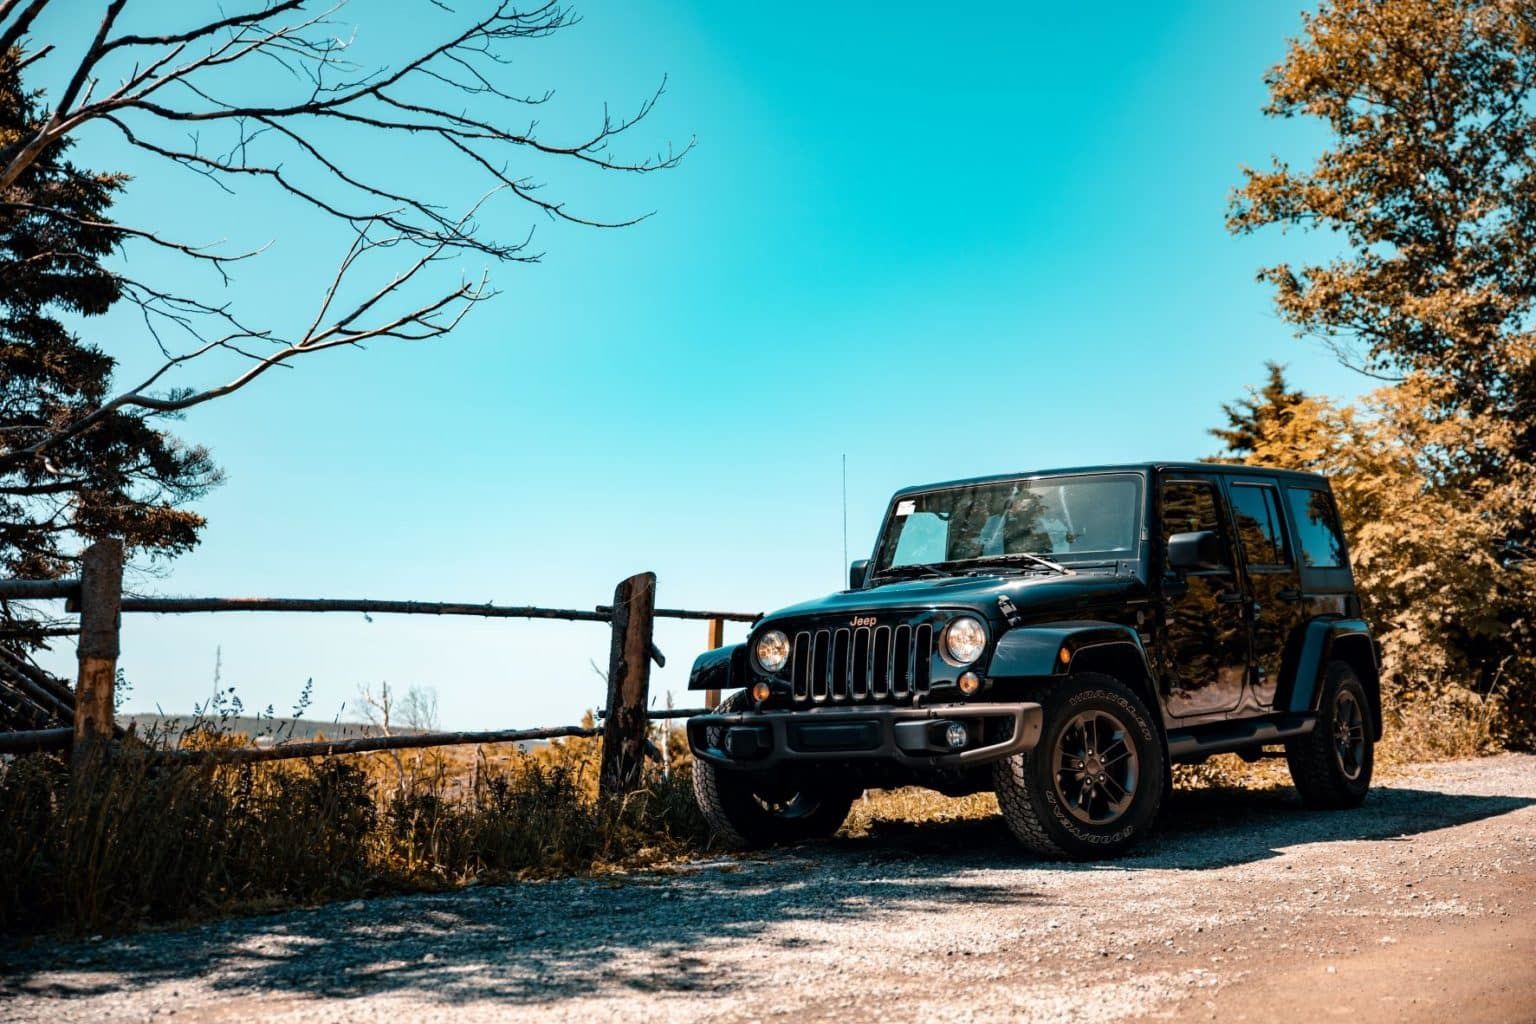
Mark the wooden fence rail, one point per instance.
(97, 597)
(22, 590)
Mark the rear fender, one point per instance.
(1322, 641)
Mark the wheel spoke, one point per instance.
(1111, 786)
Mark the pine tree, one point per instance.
(124, 477)
(1254, 419)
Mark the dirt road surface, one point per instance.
(1421, 906)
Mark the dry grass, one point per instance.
(912, 804)
(1445, 723)
(128, 844)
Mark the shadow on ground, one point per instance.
(1208, 828)
(539, 942)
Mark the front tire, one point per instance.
(1093, 786)
(750, 810)
(1332, 764)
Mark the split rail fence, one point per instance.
(98, 598)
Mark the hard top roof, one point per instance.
(1294, 475)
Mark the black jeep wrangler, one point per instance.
(1063, 638)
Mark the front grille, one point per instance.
(867, 663)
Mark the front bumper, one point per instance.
(759, 740)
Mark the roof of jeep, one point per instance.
(1131, 467)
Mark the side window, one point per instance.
(1188, 506)
(1317, 527)
(1256, 510)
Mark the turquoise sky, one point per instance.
(941, 244)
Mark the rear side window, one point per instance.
(1256, 510)
(1317, 528)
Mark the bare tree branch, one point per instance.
(453, 95)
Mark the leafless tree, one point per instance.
(377, 706)
(418, 709)
(185, 94)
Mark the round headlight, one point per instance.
(772, 650)
(964, 640)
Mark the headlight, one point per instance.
(772, 650)
(964, 640)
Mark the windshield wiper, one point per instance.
(1025, 556)
(915, 569)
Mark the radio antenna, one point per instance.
(845, 516)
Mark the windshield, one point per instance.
(1084, 517)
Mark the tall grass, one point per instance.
(118, 844)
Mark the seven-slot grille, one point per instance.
(863, 663)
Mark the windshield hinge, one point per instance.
(1010, 612)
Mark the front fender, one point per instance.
(1049, 649)
(724, 668)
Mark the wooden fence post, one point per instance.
(629, 684)
(101, 595)
(716, 641)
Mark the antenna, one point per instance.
(844, 567)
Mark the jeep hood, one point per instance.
(1037, 597)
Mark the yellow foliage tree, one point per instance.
(1453, 615)
(1426, 186)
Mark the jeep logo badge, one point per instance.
(864, 620)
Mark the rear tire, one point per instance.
(748, 809)
(1332, 764)
(1093, 786)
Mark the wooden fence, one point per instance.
(98, 598)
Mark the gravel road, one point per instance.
(1421, 906)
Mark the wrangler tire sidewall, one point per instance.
(1027, 790)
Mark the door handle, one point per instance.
(1290, 594)
(1229, 597)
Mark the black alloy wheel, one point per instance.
(1097, 769)
(1349, 734)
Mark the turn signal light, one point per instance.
(969, 683)
(761, 692)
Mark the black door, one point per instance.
(1204, 642)
(1274, 588)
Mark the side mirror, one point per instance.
(1192, 552)
(858, 572)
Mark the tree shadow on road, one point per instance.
(525, 943)
(664, 933)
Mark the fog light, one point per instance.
(956, 736)
(970, 683)
(761, 692)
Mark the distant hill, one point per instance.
(285, 729)
(288, 728)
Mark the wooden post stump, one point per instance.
(101, 595)
(716, 641)
(629, 684)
